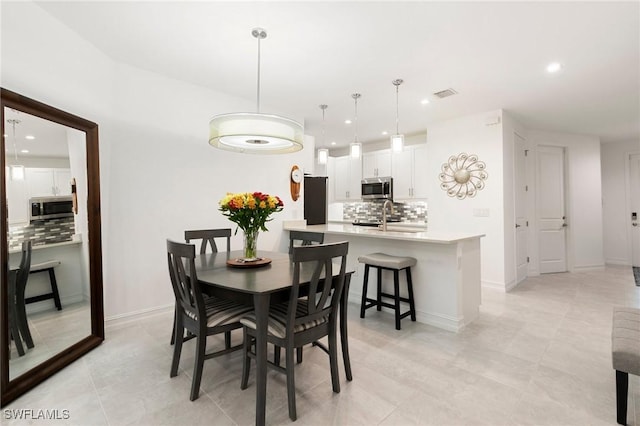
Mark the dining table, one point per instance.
(260, 284)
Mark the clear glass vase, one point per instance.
(251, 244)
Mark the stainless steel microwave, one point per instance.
(43, 208)
(377, 188)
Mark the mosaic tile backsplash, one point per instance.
(414, 211)
(42, 232)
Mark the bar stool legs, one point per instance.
(391, 263)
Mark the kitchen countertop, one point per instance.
(47, 246)
(395, 231)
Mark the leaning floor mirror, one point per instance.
(51, 276)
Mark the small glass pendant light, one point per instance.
(323, 153)
(355, 148)
(16, 170)
(397, 140)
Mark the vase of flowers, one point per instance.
(250, 211)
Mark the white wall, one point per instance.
(584, 196)
(472, 135)
(615, 213)
(159, 176)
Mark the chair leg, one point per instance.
(177, 347)
(379, 295)
(365, 286)
(412, 304)
(276, 355)
(227, 339)
(54, 289)
(622, 389)
(201, 344)
(246, 361)
(23, 325)
(299, 354)
(173, 330)
(291, 382)
(333, 358)
(396, 298)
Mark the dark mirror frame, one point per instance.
(10, 390)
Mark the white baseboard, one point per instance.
(493, 285)
(129, 317)
(587, 268)
(621, 262)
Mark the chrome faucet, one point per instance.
(384, 213)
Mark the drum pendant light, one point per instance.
(355, 148)
(323, 153)
(397, 140)
(256, 133)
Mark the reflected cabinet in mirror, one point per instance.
(51, 292)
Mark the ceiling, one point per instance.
(46, 138)
(493, 54)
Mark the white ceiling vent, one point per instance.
(445, 93)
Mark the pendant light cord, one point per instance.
(355, 97)
(397, 83)
(15, 149)
(258, 86)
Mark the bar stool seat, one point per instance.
(55, 295)
(392, 263)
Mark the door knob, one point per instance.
(635, 224)
(517, 226)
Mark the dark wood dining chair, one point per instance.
(208, 237)
(302, 321)
(306, 238)
(21, 277)
(200, 317)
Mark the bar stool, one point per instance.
(390, 263)
(54, 294)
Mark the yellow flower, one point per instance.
(251, 203)
(262, 204)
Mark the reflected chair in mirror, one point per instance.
(306, 238)
(201, 317)
(18, 278)
(302, 321)
(208, 237)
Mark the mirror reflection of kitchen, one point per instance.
(46, 197)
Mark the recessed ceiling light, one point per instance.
(333, 143)
(424, 101)
(347, 121)
(385, 133)
(554, 67)
(24, 151)
(30, 137)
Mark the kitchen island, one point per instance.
(446, 280)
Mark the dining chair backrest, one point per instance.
(307, 238)
(319, 261)
(208, 237)
(184, 280)
(25, 265)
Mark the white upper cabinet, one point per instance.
(376, 164)
(346, 179)
(48, 182)
(410, 173)
(17, 201)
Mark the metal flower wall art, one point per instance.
(463, 176)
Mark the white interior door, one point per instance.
(520, 186)
(634, 184)
(551, 210)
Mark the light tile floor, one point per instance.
(538, 355)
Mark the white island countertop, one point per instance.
(394, 232)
